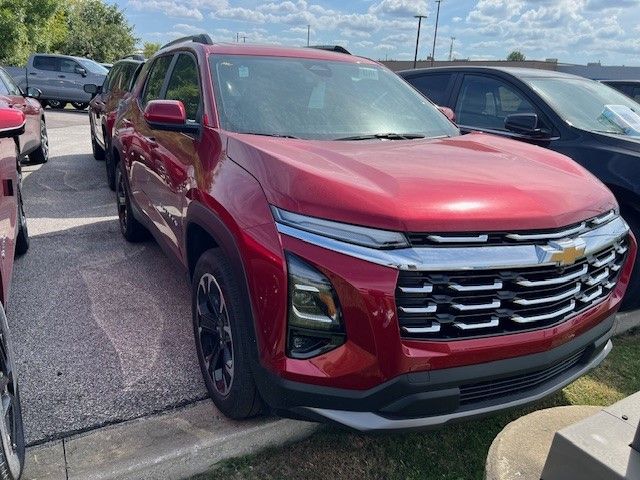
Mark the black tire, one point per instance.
(631, 299)
(22, 238)
(80, 105)
(132, 230)
(12, 451)
(98, 151)
(57, 104)
(41, 154)
(111, 170)
(220, 325)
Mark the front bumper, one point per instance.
(427, 399)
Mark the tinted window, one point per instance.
(68, 66)
(111, 80)
(46, 63)
(319, 99)
(7, 85)
(155, 79)
(485, 102)
(184, 86)
(435, 87)
(635, 93)
(128, 74)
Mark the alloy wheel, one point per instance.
(214, 334)
(8, 408)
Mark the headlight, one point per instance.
(364, 236)
(315, 319)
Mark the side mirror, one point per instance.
(92, 88)
(33, 92)
(11, 122)
(168, 115)
(450, 114)
(524, 124)
(81, 71)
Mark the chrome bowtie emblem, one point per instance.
(562, 252)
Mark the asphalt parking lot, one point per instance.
(101, 328)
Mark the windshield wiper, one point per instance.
(277, 135)
(384, 136)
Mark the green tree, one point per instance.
(516, 56)
(97, 30)
(27, 26)
(150, 48)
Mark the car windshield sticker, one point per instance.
(243, 72)
(624, 118)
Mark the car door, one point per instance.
(175, 152)
(484, 101)
(143, 172)
(45, 75)
(100, 105)
(10, 93)
(73, 79)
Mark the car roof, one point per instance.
(127, 60)
(619, 81)
(518, 72)
(276, 51)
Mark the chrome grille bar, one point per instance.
(545, 316)
(496, 285)
(556, 298)
(555, 281)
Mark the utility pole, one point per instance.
(237, 37)
(453, 39)
(244, 39)
(308, 34)
(415, 58)
(435, 35)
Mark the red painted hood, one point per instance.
(475, 182)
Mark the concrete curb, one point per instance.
(627, 321)
(173, 445)
(521, 448)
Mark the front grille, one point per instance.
(463, 304)
(494, 389)
(533, 237)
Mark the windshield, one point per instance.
(92, 66)
(316, 99)
(590, 105)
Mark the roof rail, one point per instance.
(134, 56)
(200, 38)
(331, 48)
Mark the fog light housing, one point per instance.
(315, 319)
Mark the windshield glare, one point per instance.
(314, 99)
(93, 67)
(590, 105)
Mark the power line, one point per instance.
(435, 35)
(415, 58)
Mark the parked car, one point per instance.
(15, 240)
(60, 78)
(558, 111)
(354, 259)
(104, 106)
(34, 142)
(630, 88)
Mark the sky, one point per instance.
(573, 31)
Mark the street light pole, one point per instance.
(435, 35)
(453, 39)
(308, 34)
(415, 58)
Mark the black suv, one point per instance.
(586, 120)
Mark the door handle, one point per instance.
(32, 73)
(62, 76)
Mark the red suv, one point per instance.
(352, 258)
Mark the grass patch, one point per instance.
(455, 452)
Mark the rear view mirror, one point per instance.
(448, 113)
(524, 124)
(92, 88)
(33, 92)
(81, 71)
(168, 115)
(11, 122)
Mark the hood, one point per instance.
(475, 182)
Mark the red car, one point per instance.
(34, 142)
(104, 107)
(354, 259)
(14, 239)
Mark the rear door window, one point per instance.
(128, 71)
(111, 80)
(7, 85)
(184, 85)
(44, 62)
(485, 102)
(436, 87)
(155, 79)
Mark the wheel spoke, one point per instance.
(209, 322)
